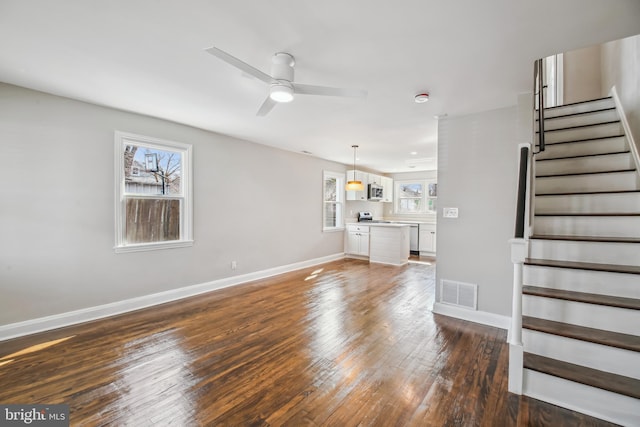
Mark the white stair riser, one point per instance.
(589, 132)
(598, 226)
(592, 282)
(596, 252)
(583, 107)
(592, 401)
(579, 120)
(589, 203)
(602, 357)
(614, 319)
(614, 181)
(586, 164)
(584, 148)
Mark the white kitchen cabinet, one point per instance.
(357, 240)
(360, 176)
(387, 189)
(375, 179)
(427, 240)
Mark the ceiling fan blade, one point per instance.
(243, 66)
(328, 91)
(266, 106)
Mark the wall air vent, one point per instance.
(459, 294)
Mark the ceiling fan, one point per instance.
(281, 85)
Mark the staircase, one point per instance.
(581, 280)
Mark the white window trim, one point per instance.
(186, 209)
(340, 196)
(425, 195)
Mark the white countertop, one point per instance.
(384, 224)
(390, 223)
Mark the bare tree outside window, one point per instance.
(152, 220)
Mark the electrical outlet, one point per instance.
(234, 265)
(450, 212)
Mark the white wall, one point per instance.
(477, 173)
(253, 204)
(621, 68)
(581, 75)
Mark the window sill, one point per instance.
(144, 247)
(332, 229)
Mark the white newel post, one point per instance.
(518, 255)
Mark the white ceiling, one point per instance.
(147, 56)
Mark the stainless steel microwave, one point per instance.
(374, 192)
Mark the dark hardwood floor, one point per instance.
(343, 344)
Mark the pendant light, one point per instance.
(354, 185)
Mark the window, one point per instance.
(333, 201)
(153, 193)
(415, 197)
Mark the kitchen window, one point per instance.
(415, 197)
(333, 201)
(153, 193)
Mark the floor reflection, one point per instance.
(154, 381)
(32, 349)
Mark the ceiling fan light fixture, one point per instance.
(281, 91)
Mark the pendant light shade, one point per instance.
(354, 185)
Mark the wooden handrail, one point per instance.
(538, 83)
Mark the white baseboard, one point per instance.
(482, 317)
(18, 329)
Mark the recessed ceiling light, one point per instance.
(413, 153)
(421, 97)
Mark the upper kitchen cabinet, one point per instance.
(387, 189)
(370, 178)
(360, 176)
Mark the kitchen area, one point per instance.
(392, 217)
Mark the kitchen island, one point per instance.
(388, 243)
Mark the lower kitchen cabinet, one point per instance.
(427, 240)
(357, 240)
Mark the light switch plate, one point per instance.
(450, 212)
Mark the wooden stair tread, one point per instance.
(581, 126)
(597, 336)
(590, 214)
(586, 173)
(571, 141)
(580, 113)
(576, 103)
(583, 375)
(612, 268)
(599, 239)
(573, 193)
(613, 153)
(608, 300)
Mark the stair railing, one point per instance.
(538, 90)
